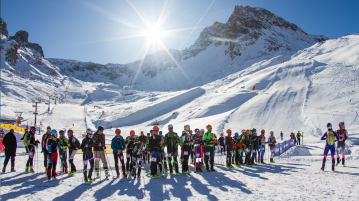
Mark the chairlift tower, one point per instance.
(35, 113)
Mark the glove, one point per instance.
(42, 150)
(68, 145)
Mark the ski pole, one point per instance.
(109, 163)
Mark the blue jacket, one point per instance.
(118, 144)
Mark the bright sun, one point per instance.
(154, 33)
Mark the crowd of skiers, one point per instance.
(199, 145)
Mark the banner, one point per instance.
(280, 148)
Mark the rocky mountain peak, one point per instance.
(3, 28)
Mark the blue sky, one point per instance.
(103, 31)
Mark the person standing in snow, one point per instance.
(171, 142)
(208, 139)
(186, 143)
(130, 142)
(247, 144)
(63, 151)
(262, 139)
(9, 141)
(343, 135)
(197, 143)
(73, 143)
(330, 136)
(99, 149)
(221, 143)
(143, 140)
(271, 142)
(30, 144)
(163, 156)
(298, 137)
(43, 145)
(87, 155)
(53, 144)
(229, 144)
(155, 143)
(281, 136)
(118, 144)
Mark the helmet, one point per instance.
(229, 131)
(236, 134)
(263, 131)
(160, 133)
(186, 127)
(170, 126)
(118, 131)
(329, 125)
(155, 128)
(254, 130)
(248, 131)
(208, 126)
(132, 132)
(33, 128)
(221, 134)
(148, 134)
(341, 124)
(271, 132)
(53, 132)
(61, 131)
(48, 128)
(243, 131)
(100, 128)
(70, 130)
(89, 130)
(196, 130)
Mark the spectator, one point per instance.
(10, 144)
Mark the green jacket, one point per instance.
(63, 143)
(171, 140)
(208, 138)
(246, 141)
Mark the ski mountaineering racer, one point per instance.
(330, 136)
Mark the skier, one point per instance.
(163, 156)
(148, 152)
(262, 140)
(281, 135)
(246, 141)
(221, 143)
(43, 145)
(137, 155)
(298, 138)
(99, 149)
(30, 144)
(186, 150)
(208, 144)
(197, 142)
(73, 143)
(243, 132)
(143, 140)
(192, 148)
(118, 144)
(171, 142)
(272, 142)
(235, 138)
(343, 135)
(229, 144)
(87, 155)
(330, 136)
(63, 151)
(237, 150)
(155, 145)
(52, 146)
(130, 142)
(26, 132)
(9, 141)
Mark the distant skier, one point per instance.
(30, 144)
(87, 155)
(343, 135)
(229, 144)
(298, 137)
(281, 136)
(330, 136)
(272, 142)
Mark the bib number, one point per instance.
(262, 148)
(121, 157)
(169, 155)
(153, 159)
(31, 153)
(85, 162)
(140, 159)
(185, 153)
(97, 158)
(208, 153)
(128, 155)
(198, 155)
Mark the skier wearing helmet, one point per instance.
(197, 142)
(229, 144)
(143, 140)
(73, 143)
(208, 139)
(63, 151)
(237, 150)
(343, 135)
(272, 142)
(87, 155)
(30, 144)
(118, 144)
(262, 141)
(172, 141)
(155, 144)
(186, 143)
(330, 136)
(130, 142)
(246, 143)
(52, 146)
(43, 145)
(99, 149)
(221, 143)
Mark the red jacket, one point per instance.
(43, 143)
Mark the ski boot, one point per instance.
(171, 174)
(13, 170)
(72, 173)
(48, 178)
(54, 178)
(66, 172)
(157, 175)
(86, 181)
(343, 162)
(212, 169)
(338, 162)
(153, 176)
(323, 167)
(31, 169)
(26, 169)
(333, 167)
(124, 175)
(97, 173)
(90, 180)
(106, 173)
(238, 165)
(3, 170)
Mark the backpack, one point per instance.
(330, 138)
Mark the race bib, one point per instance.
(221, 147)
(49, 161)
(185, 153)
(153, 159)
(97, 158)
(140, 159)
(85, 162)
(262, 148)
(253, 151)
(133, 158)
(169, 155)
(198, 155)
(121, 157)
(31, 153)
(208, 153)
(246, 150)
(128, 155)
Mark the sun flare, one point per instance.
(154, 33)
